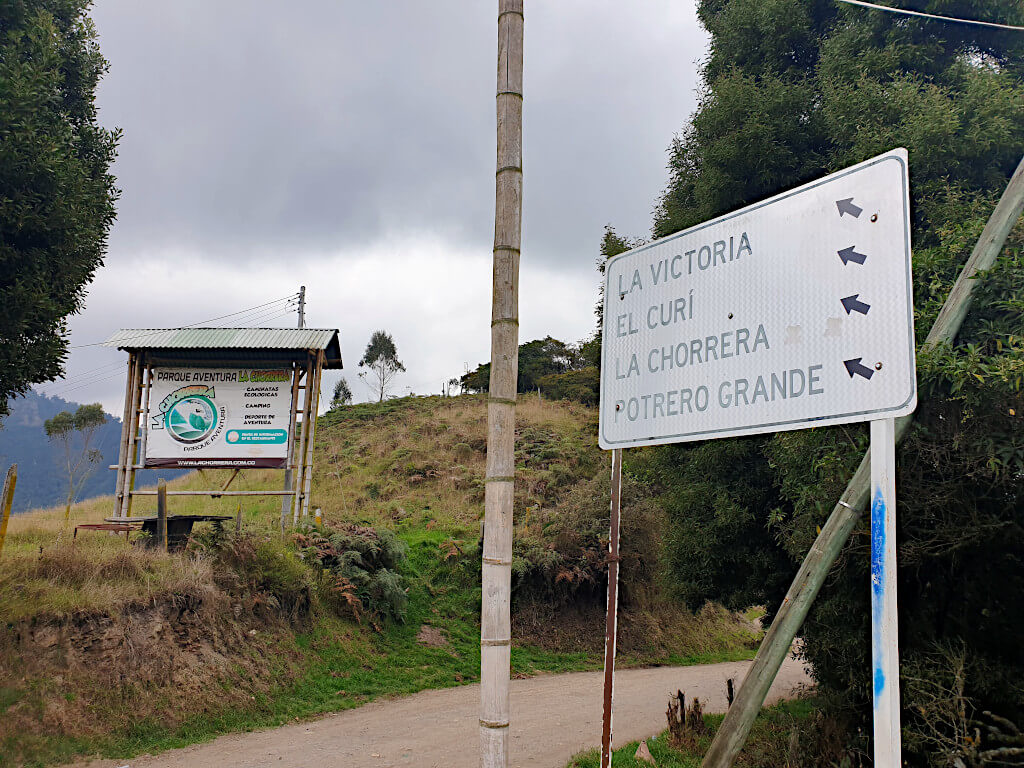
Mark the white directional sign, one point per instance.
(791, 313)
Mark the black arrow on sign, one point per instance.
(847, 206)
(851, 304)
(848, 255)
(854, 366)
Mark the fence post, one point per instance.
(161, 514)
(6, 501)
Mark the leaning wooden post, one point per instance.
(495, 618)
(733, 732)
(161, 514)
(6, 501)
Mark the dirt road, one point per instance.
(553, 717)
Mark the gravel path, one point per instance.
(553, 717)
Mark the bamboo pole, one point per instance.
(122, 452)
(303, 440)
(290, 452)
(733, 732)
(133, 435)
(6, 501)
(311, 443)
(495, 618)
(144, 418)
(215, 494)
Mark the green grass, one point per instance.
(344, 666)
(766, 746)
(413, 465)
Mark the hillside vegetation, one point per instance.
(113, 648)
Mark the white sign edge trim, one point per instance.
(905, 408)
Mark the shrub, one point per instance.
(359, 568)
(560, 555)
(259, 568)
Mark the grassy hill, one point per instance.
(113, 649)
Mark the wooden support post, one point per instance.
(885, 667)
(236, 473)
(612, 612)
(6, 501)
(311, 440)
(122, 453)
(161, 514)
(495, 618)
(826, 548)
(144, 415)
(289, 477)
(305, 440)
(133, 434)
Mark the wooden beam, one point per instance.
(214, 494)
(311, 444)
(133, 433)
(122, 452)
(289, 478)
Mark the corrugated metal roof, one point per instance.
(229, 338)
(222, 338)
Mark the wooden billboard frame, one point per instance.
(306, 377)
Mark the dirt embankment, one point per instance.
(163, 661)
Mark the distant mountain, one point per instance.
(41, 474)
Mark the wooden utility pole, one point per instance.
(6, 501)
(161, 514)
(733, 732)
(495, 616)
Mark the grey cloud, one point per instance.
(252, 126)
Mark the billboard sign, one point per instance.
(218, 417)
(790, 313)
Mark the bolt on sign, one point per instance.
(218, 417)
(790, 313)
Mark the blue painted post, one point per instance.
(884, 625)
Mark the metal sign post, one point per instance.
(612, 613)
(884, 626)
(791, 313)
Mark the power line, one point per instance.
(260, 313)
(200, 322)
(864, 4)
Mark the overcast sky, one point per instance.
(349, 146)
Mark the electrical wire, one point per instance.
(890, 9)
(200, 322)
(260, 313)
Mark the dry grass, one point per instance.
(102, 574)
(413, 462)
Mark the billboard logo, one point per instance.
(188, 414)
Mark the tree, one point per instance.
(56, 194)
(81, 458)
(342, 393)
(795, 89)
(381, 358)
